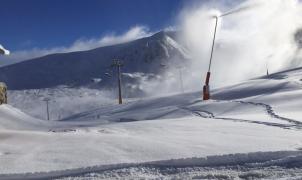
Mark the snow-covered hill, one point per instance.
(149, 55)
(12, 118)
(250, 127)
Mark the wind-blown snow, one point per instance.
(156, 130)
(253, 125)
(260, 35)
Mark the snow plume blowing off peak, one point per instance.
(253, 36)
(82, 44)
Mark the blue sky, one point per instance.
(28, 24)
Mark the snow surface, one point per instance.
(255, 122)
(235, 172)
(138, 142)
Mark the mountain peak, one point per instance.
(164, 33)
(144, 55)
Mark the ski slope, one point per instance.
(12, 118)
(255, 126)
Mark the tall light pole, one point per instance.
(206, 87)
(118, 64)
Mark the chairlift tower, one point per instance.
(118, 64)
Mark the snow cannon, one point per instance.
(206, 88)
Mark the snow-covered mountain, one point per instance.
(148, 55)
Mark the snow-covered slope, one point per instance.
(12, 118)
(278, 92)
(139, 142)
(147, 55)
(255, 124)
(63, 103)
(281, 91)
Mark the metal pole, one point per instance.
(181, 81)
(118, 64)
(213, 44)
(206, 87)
(47, 107)
(47, 110)
(267, 73)
(120, 101)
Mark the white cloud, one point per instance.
(133, 33)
